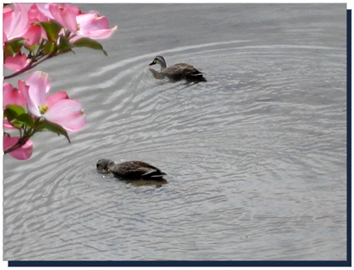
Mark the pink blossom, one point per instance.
(22, 153)
(94, 26)
(66, 16)
(15, 22)
(13, 95)
(57, 108)
(17, 62)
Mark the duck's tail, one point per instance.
(198, 73)
(153, 175)
(198, 76)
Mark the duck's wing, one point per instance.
(142, 169)
(149, 171)
(182, 70)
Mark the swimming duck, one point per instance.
(178, 71)
(130, 169)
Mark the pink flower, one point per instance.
(57, 108)
(13, 95)
(93, 26)
(66, 16)
(22, 153)
(17, 62)
(15, 22)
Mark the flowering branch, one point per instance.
(31, 65)
(34, 33)
(21, 141)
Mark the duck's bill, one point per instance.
(152, 63)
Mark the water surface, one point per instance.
(255, 156)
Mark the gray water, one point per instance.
(255, 156)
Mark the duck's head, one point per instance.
(159, 60)
(104, 165)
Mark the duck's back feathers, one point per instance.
(137, 169)
(181, 71)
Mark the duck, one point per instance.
(178, 71)
(130, 169)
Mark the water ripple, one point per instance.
(250, 155)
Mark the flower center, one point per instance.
(43, 109)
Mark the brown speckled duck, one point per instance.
(178, 71)
(130, 169)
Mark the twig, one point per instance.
(28, 67)
(17, 145)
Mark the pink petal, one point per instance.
(85, 17)
(44, 9)
(4, 37)
(6, 9)
(7, 125)
(68, 113)
(22, 153)
(12, 95)
(91, 22)
(23, 87)
(94, 26)
(16, 62)
(51, 100)
(101, 22)
(16, 22)
(39, 13)
(7, 19)
(101, 34)
(64, 16)
(33, 35)
(39, 85)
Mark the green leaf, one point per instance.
(89, 43)
(8, 52)
(16, 43)
(64, 45)
(49, 47)
(45, 125)
(17, 116)
(12, 111)
(32, 48)
(24, 119)
(52, 29)
(13, 46)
